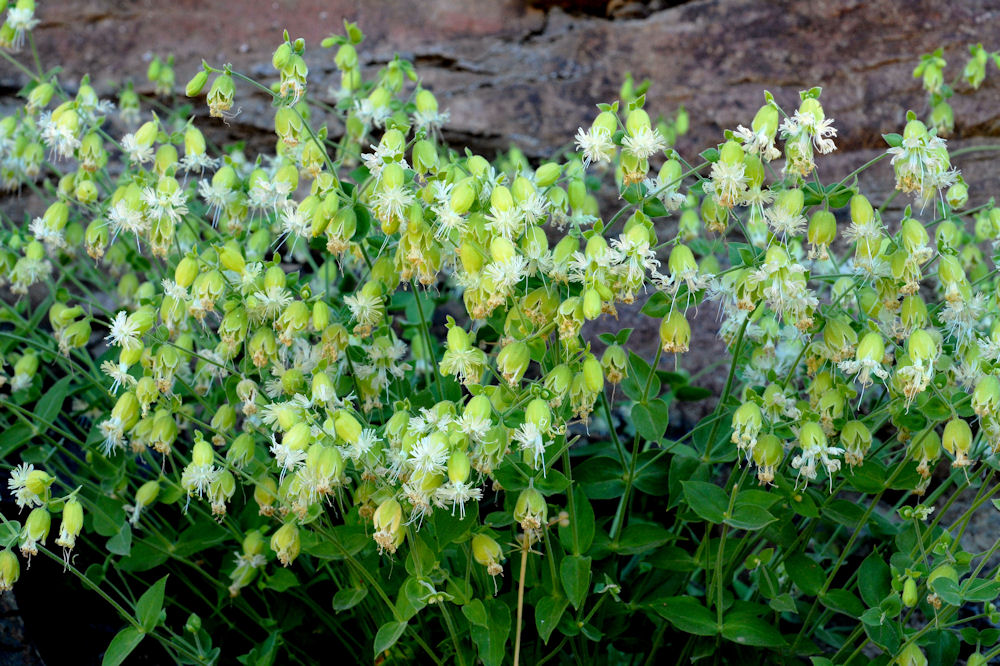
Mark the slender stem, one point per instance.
(520, 599)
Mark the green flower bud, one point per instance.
(196, 84)
(71, 525)
(487, 552)
(615, 363)
(593, 374)
(35, 531)
(458, 467)
(956, 440)
(766, 121)
(920, 346)
(126, 409)
(910, 598)
(388, 518)
(557, 382)
(10, 569)
(265, 493)
(221, 94)
(285, 543)
(986, 396)
(675, 333)
(530, 510)
(862, 212)
(348, 427)
(512, 361)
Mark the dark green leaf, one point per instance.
(651, 419)
(707, 500)
(842, 601)
(687, 615)
(689, 393)
(147, 609)
(748, 630)
(885, 635)
(942, 648)
(491, 638)
(548, 611)
(121, 646)
(387, 636)
(807, 575)
(574, 572)
(349, 597)
(783, 603)
(121, 543)
(749, 517)
(642, 537)
(651, 478)
(980, 590)
(947, 590)
(453, 529)
(601, 477)
(874, 579)
(672, 558)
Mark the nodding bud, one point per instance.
(530, 510)
(285, 543)
(986, 397)
(512, 361)
(910, 598)
(675, 333)
(459, 467)
(957, 440)
(388, 519)
(196, 84)
(861, 210)
(72, 523)
(35, 531)
(487, 552)
(348, 427)
(10, 569)
(766, 121)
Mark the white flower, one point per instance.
(596, 145)
(728, 182)
(17, 484)
(645, 143)
(137, 154)
(124, 333)
(429, 455)
(530, 440)
(171, 205)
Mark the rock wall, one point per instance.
(531, 73)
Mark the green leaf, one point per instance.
(9, 533)
(749, 517)
(584, 524)
(688, 393)
(947, 590)
(349, 597)
(844, 512)
(707, 500)
(842, 601)
(710, 155)
(651, 478)
(13, 437)
(874, 579)
(121, 542)
(121, 646)
(807, 575)
(453, 529)
(387, 636)
(642, 537)
(673, 558)
(783, 603)
(601, 477)
(51, 402)
(942, 648)
(657, 306)
(145, 555)
(980, 590)
(548, 611)
(886, 636)
(749, 630)
(574, 572)
(147, 609)
(894, 140)
(687, 615)
(490, 633)
(651, 420)
(281, 580)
